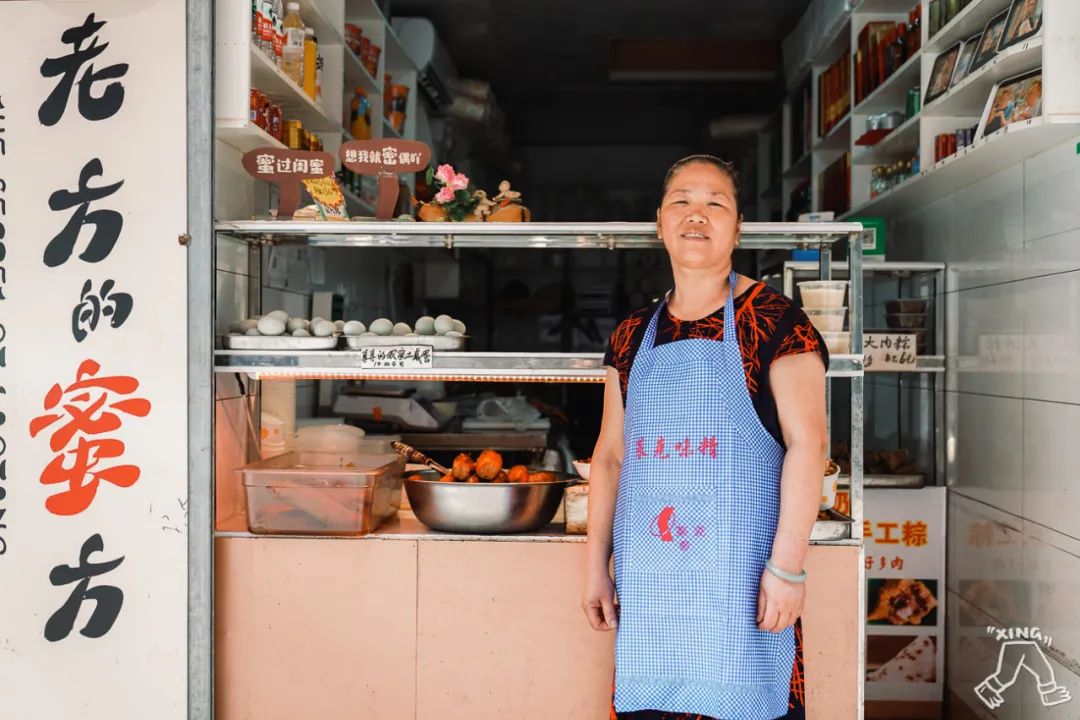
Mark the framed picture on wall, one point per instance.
(989, 41)
(942, 72)
(1025, 21)
(1011, 101)
(963, 63)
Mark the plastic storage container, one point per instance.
(837, 343)
(823, 293)
(826, 319)
(322, 493)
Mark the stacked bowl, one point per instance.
(823, 303)
(908, 315)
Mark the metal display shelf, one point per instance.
(886, 481)
(363, 234)
(447, 366)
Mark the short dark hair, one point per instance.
(724, 166)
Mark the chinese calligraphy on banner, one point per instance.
(904, 535)
(93, 359)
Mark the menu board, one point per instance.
(904, 540)
(93, 360)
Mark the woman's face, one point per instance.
(697, 219)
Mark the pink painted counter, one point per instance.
(409, 624)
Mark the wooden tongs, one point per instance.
(413, 455)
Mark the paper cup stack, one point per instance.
(823, 303)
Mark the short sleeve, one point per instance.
(798, 335)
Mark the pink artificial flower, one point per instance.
(460, 181)
(445, 174)
(445, 195)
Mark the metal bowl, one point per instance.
(485, 508)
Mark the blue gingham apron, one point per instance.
(697, 508)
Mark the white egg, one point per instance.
(280, 315)
(425, 325)
(402, 329)
(300, 332)
(444, 324)
(459, 326)
(454, 333)
(382, 326)
(249, 324)
(323, 329)
(339, 325)
(354, 327)
(295, 324)
(271, 325)
(252, 331)
(316, 320)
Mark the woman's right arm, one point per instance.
(599, 600)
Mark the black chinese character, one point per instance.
(91, 307)
(90, 107)
(107, 599)
(107, 223)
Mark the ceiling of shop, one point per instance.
(569, 72)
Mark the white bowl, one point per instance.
(582, 468)
(823, 293)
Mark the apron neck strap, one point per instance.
(649, 341)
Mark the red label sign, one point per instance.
(286, 168)
(385, 159)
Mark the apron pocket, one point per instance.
(672, 533)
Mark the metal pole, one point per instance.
(200, 313)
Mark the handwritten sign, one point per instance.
(286, 169)
(396, 357)
(890, 351)
(93, 385)
(385, 159)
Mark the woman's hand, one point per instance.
(780, 602)
(599, 601)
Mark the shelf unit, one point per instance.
(928, 281)
(242, 65)
(1056, 49)
(539, 367)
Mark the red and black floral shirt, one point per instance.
(770, 326)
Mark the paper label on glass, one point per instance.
(396, 357)
(890, 351)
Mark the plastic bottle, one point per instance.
(318, 78)
(278, 34)
(264, 30)
(359, 116)
(311, 55)
(292, 52)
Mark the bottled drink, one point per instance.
(318, 78)
(311, 53)
(292, 52)
(264, 29)
(360, 116)
(278, 34)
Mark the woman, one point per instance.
(706, 477)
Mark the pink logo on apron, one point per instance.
(667, 530)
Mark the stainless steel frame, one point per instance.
(200, 378)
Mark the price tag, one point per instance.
(889, 351)
(396, 357)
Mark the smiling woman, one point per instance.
(701, 425)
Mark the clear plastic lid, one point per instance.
(313, 469)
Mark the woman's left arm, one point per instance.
(798, 385)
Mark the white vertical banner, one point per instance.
(93, 360)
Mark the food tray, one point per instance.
(279, 342)
(436, 342)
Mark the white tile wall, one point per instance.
(1051, 184)
(1012, 242)
(1051, 488)
(988, 449)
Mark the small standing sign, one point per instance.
(396, 357)
(890, 351)
(287, 169)
(385, 159)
